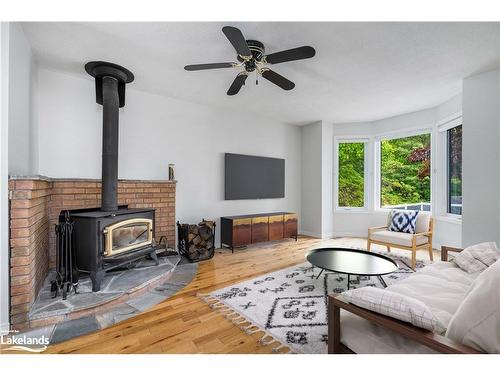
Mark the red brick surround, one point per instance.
(35, 207)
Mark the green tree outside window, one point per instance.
(405, 170)
(351, 175)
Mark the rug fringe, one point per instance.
(278, 348)
(243, 323)
(250, 331)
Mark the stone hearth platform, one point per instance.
(124, 293)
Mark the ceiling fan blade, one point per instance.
(237, 40)
(209, 66)
(277, 79)
(298, 53)
(238, 82)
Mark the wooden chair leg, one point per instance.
(413, 258)
(388, 248)
(368, 245)
(431, 255)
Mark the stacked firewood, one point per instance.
(199, 244)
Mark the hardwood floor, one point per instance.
(184, 323)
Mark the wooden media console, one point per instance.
(244, 230)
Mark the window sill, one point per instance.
(449, 219)
(382, 211)
(350, 211)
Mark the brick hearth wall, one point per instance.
(29, 245)
(35, 208)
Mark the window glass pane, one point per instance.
(455, 170)
(405, 173)
(351, 174)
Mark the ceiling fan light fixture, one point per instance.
(251, 56)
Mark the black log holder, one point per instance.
(185, 243)
(67, 274)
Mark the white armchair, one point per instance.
(422, 239)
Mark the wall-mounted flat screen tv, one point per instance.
(254, 177)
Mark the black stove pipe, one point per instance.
(110, 80)
(109, 144)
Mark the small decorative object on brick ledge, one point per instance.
(171, 173)
(197, 242)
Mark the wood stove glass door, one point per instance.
(128, 235)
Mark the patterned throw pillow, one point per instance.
(477, 258)
(403, 221)
(395, 305)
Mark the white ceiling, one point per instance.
(361, 71)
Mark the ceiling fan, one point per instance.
(251, 57)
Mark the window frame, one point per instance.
(366, 176)
(448, 170)
(443, 128)
(377, 146)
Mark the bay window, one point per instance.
(405, 172)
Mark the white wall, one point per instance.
(481, 157)
(310, 218)
(402, 123)
(326, 180)
(155, 131)
(21, 103)
(4, 154)
(317, 208)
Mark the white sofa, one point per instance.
(448, 291)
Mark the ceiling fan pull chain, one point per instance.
(256, 78)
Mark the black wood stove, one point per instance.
(110, 236)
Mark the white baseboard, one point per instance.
(436, 245)
(332, 234)
(349, 234)
(310, 234)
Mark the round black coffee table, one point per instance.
(351, 262)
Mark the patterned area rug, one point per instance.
(290, 305)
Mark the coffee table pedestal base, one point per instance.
(349, 279)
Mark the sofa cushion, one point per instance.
(397, 238)
(403, 221)
(395, 305)
(440, 285)
(476, 322)
(477, 258)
